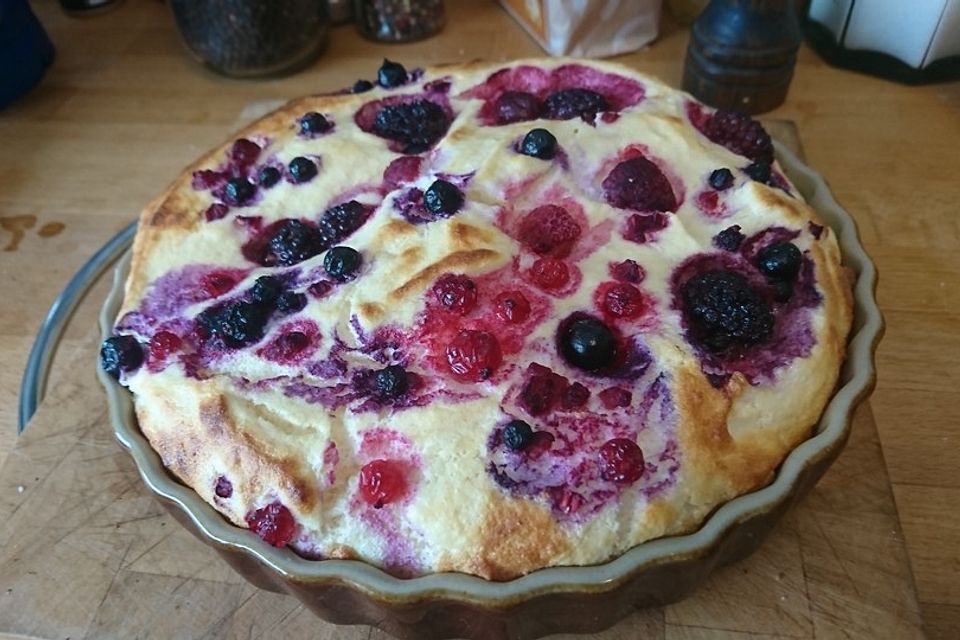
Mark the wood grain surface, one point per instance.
(123, 108)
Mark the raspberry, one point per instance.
(244, 153)
(512, 307)
(549, 230)
(615, 397)
(163, 343)
(550, 273)
(287, 345)
(474, 355)
(456, 293)
(740, 134)
(724, 311)
(621, 300)
(418, 124)
(621, 461)
(216, 211)
(273, 523)
(576, 395)
(627, 271)
(403, 169)
(639, 184)
(217, 283)
(516, 106)
(382, 482)
(643, 227)
(572, 103)
(542, 390)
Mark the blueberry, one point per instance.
(266, 290)
(721, 179)
(758, 171)
(314, 123)
(517, 435)
(722, 311)
(295, 241)
(290, 302)
(417, 124)
(539, 143)
(391, 74)
(442, 198)
(302, 169)
(780, 261)
(588, 344)
(120, 353)
(238, 191)
(237, 324)
(362, 86)
(342, 263)
(268, 176)
(391, 381)
(729, 239)
(340, 221)
(572, 103)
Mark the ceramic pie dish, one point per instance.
(575, 598)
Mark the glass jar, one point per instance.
(398, 20)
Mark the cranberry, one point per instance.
(223, 488)
(516, 106)
(621, 300)
(163, 343)
(615, 397)
(550, 273)
(512, 307)
(627, 271)
(273, 523)
(456, 293)
(474, 355)
(549, 230)
(639, 184)
(382, 482)
(621, 461)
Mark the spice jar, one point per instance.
(398, 20)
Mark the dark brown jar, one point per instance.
(398, 20)
(250, 38)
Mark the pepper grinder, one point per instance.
(742, 54)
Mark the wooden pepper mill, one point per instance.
(742, 53)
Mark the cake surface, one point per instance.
(481, 318)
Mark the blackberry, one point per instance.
(238, 324)
(238, 191)
(295, 241)
(391, 381)
(302, 169)
(517, 435)
(268, 176)
(266, 290)
(314, 123)
(120, 354)
(338, 222)
(740, 134)
(572, 103)
(588, 344)
(442, 198)
(780, 261)
(721, 179)
(342, 263)
(417, 124)
(290, 302)
(539, 143)
(724, 311)
(391, 74)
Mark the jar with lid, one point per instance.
(398, 20)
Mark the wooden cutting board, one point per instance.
(86, 552)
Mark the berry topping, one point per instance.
(266, 290)
(550, 273)
(217, 283)
(237, 324)
(549, 230)
(729, 239)
(302, 169)
(120, 353)
(621, 461)
(391, 74)
(576, 395)
(320, 289)
(759, 171)
(780, 261)
(587, 343)
(244, 153)
(442, 198)
(512, 307)
(539, 143)
(456, 293)
(273, 523)
(216, 211)
(627, 271)
(542, 390)
(338, 222)
(287, 346)
(724, 311)
(391, 381)
(361, 86)
(642, 227)
(314, 123)
(572, 103)
(403, 169)
(342, 263)
(290, 302)
(268, 176)
(740, 134)
(474, 355)
(382, 482)
(294, 241)
(163, 343)
(640, 185)
(721, 179)
(621, 300)
(418, 125)
(238, 191)
(615, 398)
(223, 488)
(517, 435)
(516, 106)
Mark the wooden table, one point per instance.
(124, 108)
